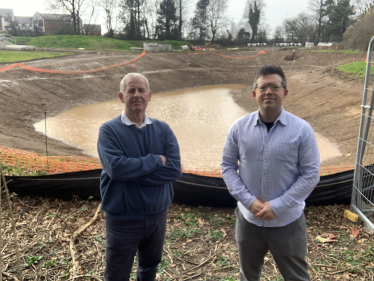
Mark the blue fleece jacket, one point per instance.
(134, 183)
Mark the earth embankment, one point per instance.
(329, 102)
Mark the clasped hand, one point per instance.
(262, 210)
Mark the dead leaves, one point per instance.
(200, 243)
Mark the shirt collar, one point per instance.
(282, 117)
(128, 122)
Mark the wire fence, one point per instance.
(362, 201)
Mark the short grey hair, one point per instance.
(122, 85)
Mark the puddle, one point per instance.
(199, 117)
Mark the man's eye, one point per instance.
(263, 88)
(275, 87)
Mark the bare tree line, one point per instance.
(208, 21)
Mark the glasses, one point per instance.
(274, 86)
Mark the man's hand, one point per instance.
(266, 213)
(163, 159)
(256, 206)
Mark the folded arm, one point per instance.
(172, 169)
(119, 166)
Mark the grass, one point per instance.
(17, 56)
(357, 68)
(88, 42)
(16, 171)
(338, 52)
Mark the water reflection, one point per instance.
(200, 118)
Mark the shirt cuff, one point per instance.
(278, 206)
(248, 202)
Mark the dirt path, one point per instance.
(315, 92)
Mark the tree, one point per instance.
(278, 35)
(109, 7)
(182, 12)
(358, 35)
(254, 18)
(74, 7)
(216, 16)
(363, 6)
(317, 7)
(200, 20)
(132, 16)
(299, 29)
(243, 35)
(339, 18)
(167, 28)
(12, 26)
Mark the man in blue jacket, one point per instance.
(140, 159)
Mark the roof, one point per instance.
(23, 19)
(56, 16)
(5, 12)
(92, 27)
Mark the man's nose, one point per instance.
(268, 90)
(136, 92)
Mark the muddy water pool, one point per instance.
(199, 117)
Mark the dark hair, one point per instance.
(270, 69)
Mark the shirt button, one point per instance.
(266, 144)
(264, 160)
(265, 131)
(264, 176)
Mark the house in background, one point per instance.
(49, 24)
(24, 23)
(92, 29)
(6, 15)
(54, 23)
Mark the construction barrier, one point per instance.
(34, 162)
(6, 68)
(2, 69)
(236, 58)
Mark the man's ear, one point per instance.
(285, 93)
(121, 97)
(254, 94)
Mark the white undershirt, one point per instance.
(128, 122)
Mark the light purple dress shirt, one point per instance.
(281, 166)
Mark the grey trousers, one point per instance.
(287, 244)
(125, 238)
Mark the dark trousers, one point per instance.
(287, 244)
(125, 238)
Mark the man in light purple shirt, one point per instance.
(277, 157)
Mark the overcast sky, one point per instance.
(275, 12)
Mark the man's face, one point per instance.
(136, 96)
(269, 99)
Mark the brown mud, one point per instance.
(328, 100)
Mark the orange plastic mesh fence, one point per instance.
(5, 68)
(2, 69)
(324, 171)
(236, 58)
(62, 164)
(50, 164)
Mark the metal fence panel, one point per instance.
(362, 201)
